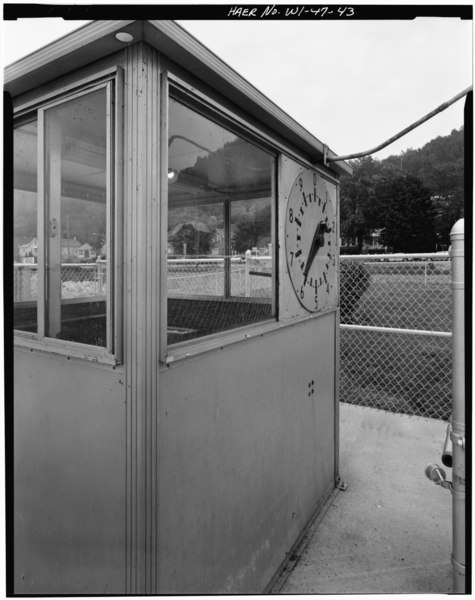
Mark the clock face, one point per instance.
(311, 242)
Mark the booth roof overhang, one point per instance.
(97, 40)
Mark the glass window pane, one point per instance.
(76, 180)
(220, 202)
(25, 236)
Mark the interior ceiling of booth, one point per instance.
(82, 168)
(189, 190)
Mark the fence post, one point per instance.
(99, 272)
(248, 275)
(458, 408)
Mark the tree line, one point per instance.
(413, 198)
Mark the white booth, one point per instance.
(175, 411)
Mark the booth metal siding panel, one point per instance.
(69, 476)
(246, 454)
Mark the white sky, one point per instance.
(353, 84)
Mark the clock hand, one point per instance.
(317, 242)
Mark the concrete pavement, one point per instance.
(391, 530)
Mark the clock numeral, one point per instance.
(301, 183)
(304, 198)
(302, 293)
(291, 258)
(298, 222)
(291, 215)
(316, 301)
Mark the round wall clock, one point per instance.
(311, 242)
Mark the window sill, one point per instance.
(65, 349)
(220, 341)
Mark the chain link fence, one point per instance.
(395, 344)
(78, 280)
(247, 276)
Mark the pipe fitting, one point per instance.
(437, 475)
(447, 450)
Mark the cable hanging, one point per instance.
(329, 159)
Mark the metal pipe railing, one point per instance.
(436, 111)
(394, 257)
(458, 407)
(442, 334)
(453, 454)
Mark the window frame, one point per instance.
(25, 119)
(112, 82)
(173, 87)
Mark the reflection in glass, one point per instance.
(220, 201)
(25, 236)
(75, 194)
(251, 233)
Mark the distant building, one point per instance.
(28, 250)
(70, 248)
(85, 252)
(371, 244)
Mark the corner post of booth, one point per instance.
(142, 238)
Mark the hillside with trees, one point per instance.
(414, 198)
